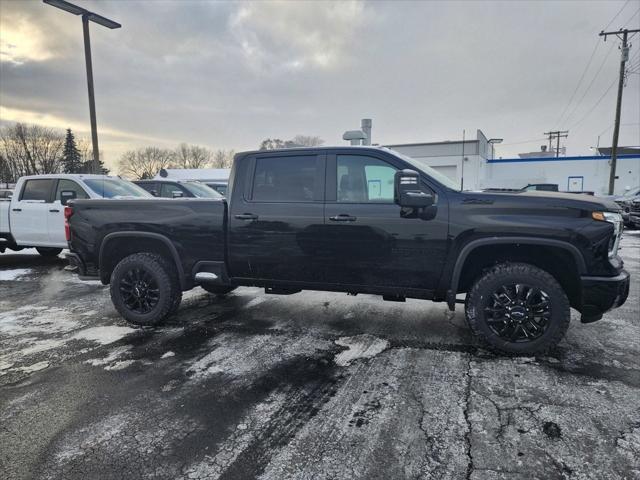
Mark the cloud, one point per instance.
(281, 35)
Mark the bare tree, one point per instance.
(30, 150)
(307, 141)
(297, 141)
(145, 162)
(223, 158)
(191, 156)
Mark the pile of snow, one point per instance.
(13, 274)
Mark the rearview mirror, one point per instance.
(407, 191)
(67, 195)
(177, 194)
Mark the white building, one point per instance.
(464, 162)
(480, 169)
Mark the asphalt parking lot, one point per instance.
(309, 386)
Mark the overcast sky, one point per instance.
(229, 74)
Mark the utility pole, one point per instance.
(616, 129)
(557, 135)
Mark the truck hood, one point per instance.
(555, 199)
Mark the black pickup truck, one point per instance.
(362, 220)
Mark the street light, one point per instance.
(105, 22)
(492, 142)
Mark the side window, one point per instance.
(37, 190)
(362, 179)
(149, 186)
(285, 179)
(167, 189)
(64, 184)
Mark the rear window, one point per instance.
(37, 190)
(285, 179)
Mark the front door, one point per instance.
(367, 241)
(28, 216)
(274, 221)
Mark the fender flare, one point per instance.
(472, 245)
(155, 236)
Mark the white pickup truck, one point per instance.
(34, 216)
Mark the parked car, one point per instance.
(363, 220)
(216, 178)
(220, 187)
(5, 194)
(35, 215)
(177, 189)
(625, 200)
(634, 212)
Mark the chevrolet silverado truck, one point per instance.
(362, 220)
(34, 215)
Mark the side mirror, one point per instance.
(407, 191)
(177, 194)
(67, 195)
(153, 192)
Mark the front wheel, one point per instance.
(517, 308)
(48, 252)
(144, 289)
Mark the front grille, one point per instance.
(634, 207)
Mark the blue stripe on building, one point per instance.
(561, 159)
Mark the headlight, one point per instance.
(616, 220)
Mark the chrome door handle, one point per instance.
(343, 217)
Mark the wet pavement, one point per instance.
(309, 386)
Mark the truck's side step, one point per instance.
(281, 290)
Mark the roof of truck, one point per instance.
(70, 176)
(320, 148)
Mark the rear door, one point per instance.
(55, 214)
(368, 240)
(28, 215)
(274, 221)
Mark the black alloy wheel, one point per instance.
(518, 312)
(139, 289)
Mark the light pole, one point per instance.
(492, 142)
(105, 22)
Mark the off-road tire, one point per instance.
(49, 252)
(217, 289)
(509, 273)
(167, 282)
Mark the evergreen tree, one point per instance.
(71, 159)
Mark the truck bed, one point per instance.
(195, 227)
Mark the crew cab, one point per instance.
(178, 189)
(363, 220)
(34, 216)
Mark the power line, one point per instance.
(616, 15)
(594, 106)
(584, 94)
(584, 72)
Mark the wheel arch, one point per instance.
(137, 242)
(563, 250)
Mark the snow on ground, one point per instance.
(13, 274)
(360, 346)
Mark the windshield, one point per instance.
(200, 190)
(632, 193)
(115, 188)
(433, 173)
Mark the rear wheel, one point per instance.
(48, 252)
(518, 309)
(217, 289)
(144, 289)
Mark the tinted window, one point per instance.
(363, 179)
(37, 190)
(201, 190)
(115, 188)
(70, 185)
(167, 189)
(148, 186)
(285, 179)
(221, 189)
